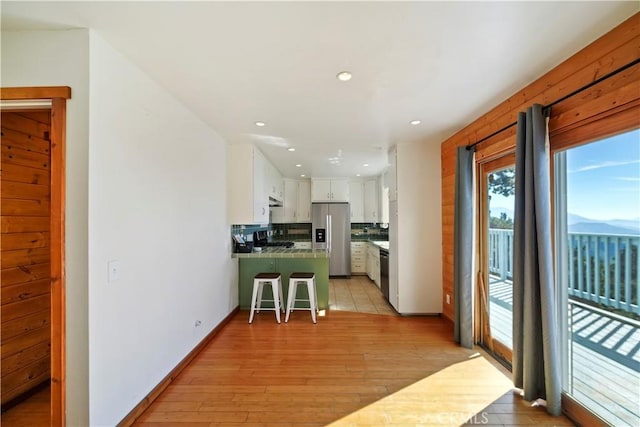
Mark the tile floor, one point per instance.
(358, 294)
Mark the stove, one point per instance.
(260, 240)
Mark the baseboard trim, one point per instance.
(131, 417)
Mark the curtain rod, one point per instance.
(547, 108)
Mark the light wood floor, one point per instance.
(33, 412)
(350, 369)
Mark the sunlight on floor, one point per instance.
(426, 401)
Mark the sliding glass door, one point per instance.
(495, 296)
(597, 203)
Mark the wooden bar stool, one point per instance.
(310, 280)
(273, 279)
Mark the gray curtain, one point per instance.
(463, 249)
(536, 357)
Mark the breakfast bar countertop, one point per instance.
(279, 252)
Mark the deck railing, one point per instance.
(603, 268)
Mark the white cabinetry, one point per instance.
(274, 183)
(371, 206)
(391, 177)
(329, 190)
(384, 197)
(415, 229)
(248, 202)
(356, 200)
(260, 199)
(373, 263)
(302, 245)
(359, 257)
(296, 206)
(287, 213)
(303, 211)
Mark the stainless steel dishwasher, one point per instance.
(384, 273)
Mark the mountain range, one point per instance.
(581, 224)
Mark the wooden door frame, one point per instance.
(58, 96)
(483, 327)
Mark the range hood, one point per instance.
(273, 202)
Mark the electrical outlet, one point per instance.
(448, 299)
(113, 268)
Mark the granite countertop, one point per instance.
(380, 243)
(283, 253)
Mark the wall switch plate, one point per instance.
(113, 268)
(448, 299)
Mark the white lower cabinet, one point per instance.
(358, 257)
(373, 263)
(302, 245)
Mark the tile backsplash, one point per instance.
(247, 230)
(302, 231)
(290, 232)
(365, 230)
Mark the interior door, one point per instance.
(495, 296)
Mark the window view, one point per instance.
(500, 195)
(598, 221)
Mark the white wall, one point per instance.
(419, 228)
(61, 58)
(157, 204)
(146, 186)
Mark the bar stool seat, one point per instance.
(275, 281)
(302, 278)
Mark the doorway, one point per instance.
(26, 273)
(495, 305)
(33, 321)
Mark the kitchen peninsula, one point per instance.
(285, 262)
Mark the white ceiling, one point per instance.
(232, 64)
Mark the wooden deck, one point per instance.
(604, 356)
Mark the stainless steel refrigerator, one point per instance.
(331, 228)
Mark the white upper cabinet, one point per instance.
(303, 210)
(390, 174)
(290, 202)
(384, 197)
(356, 200)
(260, 198)
(248, 201)
(340, 190)
(329, 190)
(371, 205)
(296, 206)
(274, 182)
(320, 190)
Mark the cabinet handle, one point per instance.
(262, 211)
(331, 196)
(328, 196)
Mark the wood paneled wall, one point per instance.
(25, 251)
(583, 115)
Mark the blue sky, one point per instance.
(603, 179)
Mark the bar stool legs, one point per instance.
(259, 281)
(310, 280)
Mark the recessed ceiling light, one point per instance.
(365, 165)
(298, 165)
(302, 176)
(415, 122)
(357, 174)
(291, 149)
(260, 124)
(344, 76)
